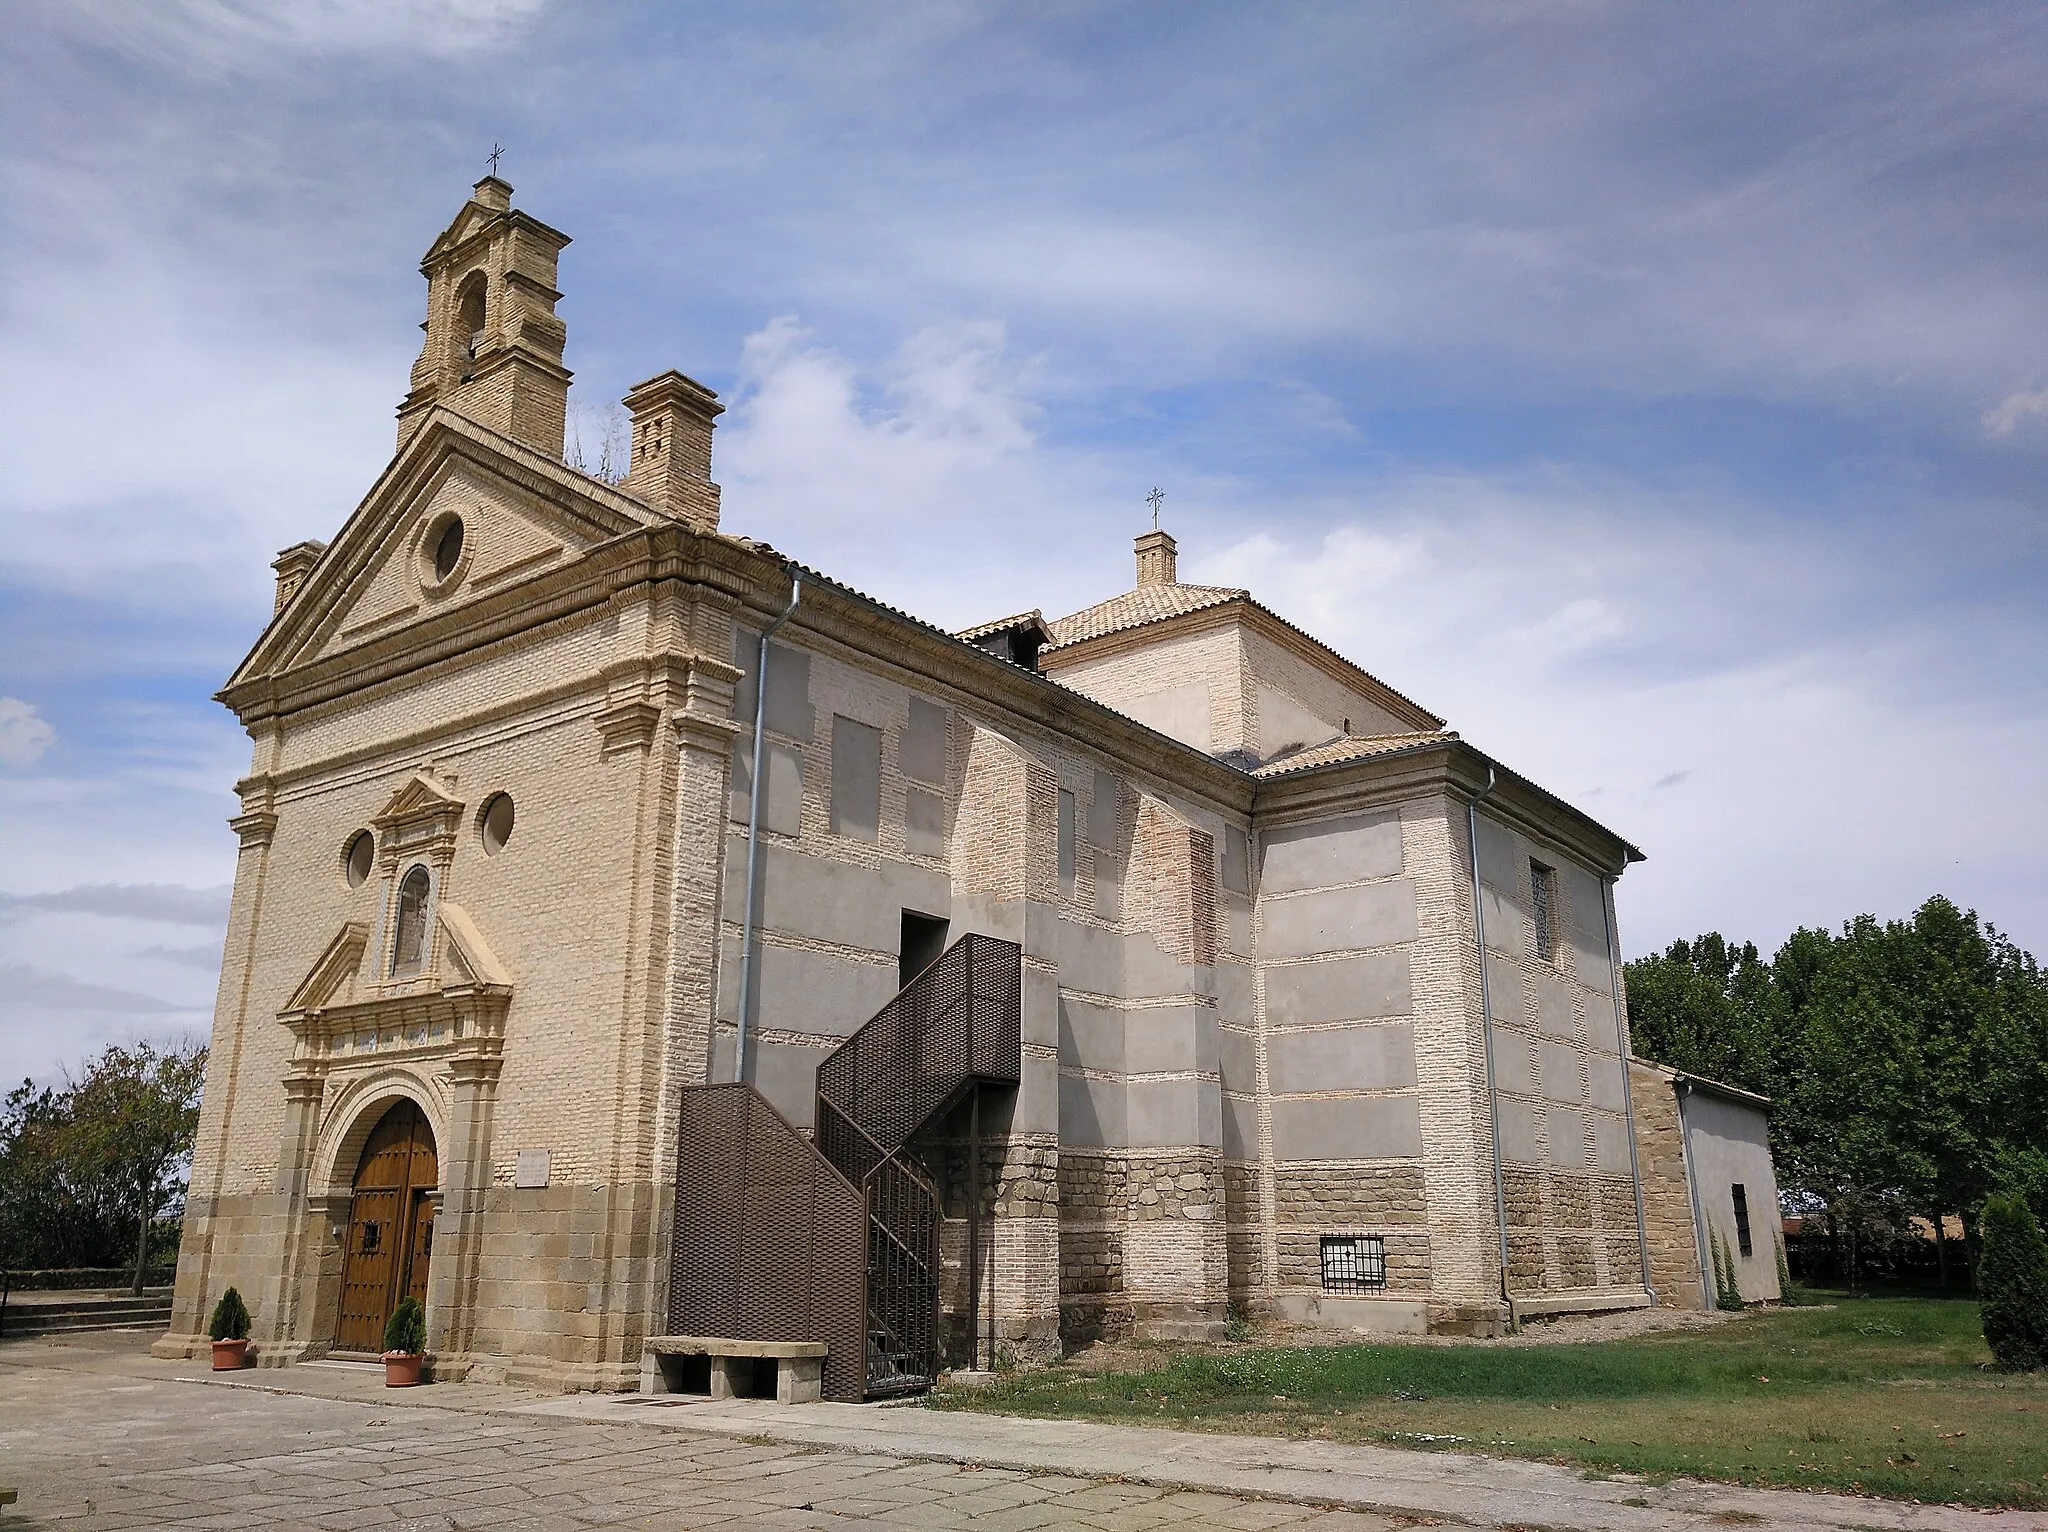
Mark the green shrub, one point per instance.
(230, 1318)
(2012, 1283)
(406, 1330)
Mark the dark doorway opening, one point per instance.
(924, 943)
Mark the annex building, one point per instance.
(638, 934)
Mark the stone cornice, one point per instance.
(1456, 770)
(1006, 695)
(454, 1022)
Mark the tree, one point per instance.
(1906, 1062)
(84, 1170)
(2012, 1282)
(134, 1116)
(1700, 1008)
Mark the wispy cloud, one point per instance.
(25, 989)
(205, 957)
(212, 37)
(24, 733)
(2015, 410)
(170, 903)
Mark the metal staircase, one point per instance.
(771, 1227)
(955, 1027)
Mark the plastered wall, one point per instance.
(1557, 1052)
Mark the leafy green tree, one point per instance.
(1700, 1007)
(85, 1170)
(1906, 1061)
(134, 1116)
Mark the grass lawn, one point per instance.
(1879, 1396)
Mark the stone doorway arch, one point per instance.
(389, 1240)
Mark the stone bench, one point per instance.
(732, 1369)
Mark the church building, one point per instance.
(639, 934)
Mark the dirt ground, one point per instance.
(1565, 1329)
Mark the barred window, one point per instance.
(1542, 886)
(1742, 1240)
(1354, 1262)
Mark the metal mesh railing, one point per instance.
(957, 1024)
(958, 1021)
(770, 1239)
(781, 1238)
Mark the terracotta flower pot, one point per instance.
(230, 1355)
(402, 1369)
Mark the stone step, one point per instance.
(87, 1314)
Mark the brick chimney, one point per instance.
(292, 566)
(1156, 562)
(670, 466)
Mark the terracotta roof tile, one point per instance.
(1351, 747)
(1003, 625)
(1135, 608)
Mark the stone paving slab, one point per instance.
(1384, 1480)
(95, 1447)
(98, 1434)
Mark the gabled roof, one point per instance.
(594, 509)
(1033, 619)
(1136, 608)
(1170, 601)
(1701, 1083)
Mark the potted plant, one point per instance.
(229, 1329)
(405, 1344)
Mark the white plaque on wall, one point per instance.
(532, 1168)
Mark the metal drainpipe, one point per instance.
(756, 791)
(1500, 1196)
(1627, 1083)
(1710, 1294)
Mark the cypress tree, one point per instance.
(2012, 1281)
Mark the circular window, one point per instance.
(356, 860)
(448, 549)
(494, 823)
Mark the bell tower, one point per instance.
(494, 345)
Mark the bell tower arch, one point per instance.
(493, 346)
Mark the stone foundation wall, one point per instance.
(567, 1282)
(1311, 1201)
(1567, 1230)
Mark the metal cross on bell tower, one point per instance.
(496, 150)
(1154, 499)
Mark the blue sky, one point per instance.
(1661, 393)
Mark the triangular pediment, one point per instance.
(474, 216)
(423, 795)
(470, 959)
(523, 515)
(333, 979)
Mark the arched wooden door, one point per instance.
(390, 1236)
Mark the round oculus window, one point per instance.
(357, 859)
(448, 549)
(494, 823)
